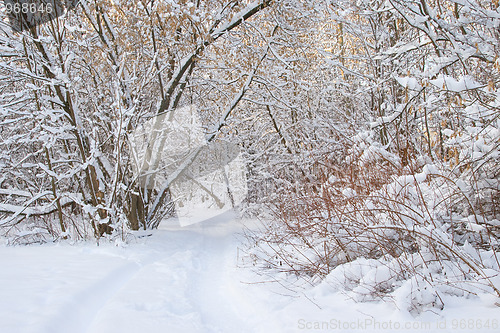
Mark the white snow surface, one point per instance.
(190, 280)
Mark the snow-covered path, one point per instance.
(175, 280)
(186, 280)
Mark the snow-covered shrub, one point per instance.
(414, 191)
(416, 231)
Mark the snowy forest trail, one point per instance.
(173, 280)
(182, 287)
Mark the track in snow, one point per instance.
(176, 280)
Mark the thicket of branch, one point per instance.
(404, 190)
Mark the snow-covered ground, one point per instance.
(188, 280)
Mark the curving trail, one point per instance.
(172, 280)
(182, 286)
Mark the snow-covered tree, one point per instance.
(78, 85)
